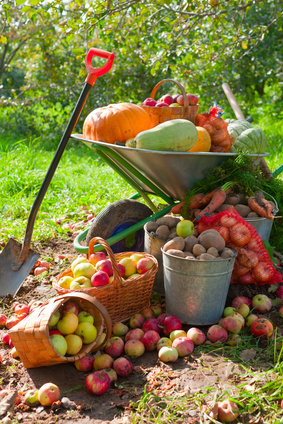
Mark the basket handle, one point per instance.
(186, 101)
(117, 280)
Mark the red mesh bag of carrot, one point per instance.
(253, 264)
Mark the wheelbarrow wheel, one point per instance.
(117, 217)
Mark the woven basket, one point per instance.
(122, 299)
(31, 335)
(163, 114)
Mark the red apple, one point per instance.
(184, 346)
(150, 340)
(217, 333)
(97, 382)
(5, 338)
(161, 104)
(134, 348)
(12, 321)
(228, 411)
(168, 99)
(134, 334)
(144, 264)
(148, 313)
(196, 335)
(137, 321)
(70, 307)
(151, 324)
(261, 328)
(279, 292)
(171, 323)
(102, 361)
(96, 257)
(54, 331)
(161, 317)
(233, 322)
(3, 320)
(114, 347)
(99, 278)
(48, 393)
(149, 102)
(106, 266)
(122, 270)
(123, 367)
(261, 303)
(237, 301)
(180, 100)
(39, 270)
(85, 363)
(193, 100)
(21, 308)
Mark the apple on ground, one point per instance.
(134, 348)
(31, 398)
(196, 335)
(185, 228)
(137, 321)
(59, 343)
(183, 345)
(281, 311)
(250, 319)
(102, 361)
(237, 301)
(122, 366)
(262, 328)
(48, 394)
(152, 324)
(35, 304)
(168, 354)
(85, 363)
(12, 321)
(243, 310)
(261, 303)
(112, 374)
(279, 292)
(85, 316)
(157, 310)
(134, 334)
(163, 342)
(97, 382)
(39, 270)
(5, 338)
(150, 340)
(177, 333)
(114, 346)
(228, 411)
(68, 323)
(14, 353)
(228, 310)
(148, 313)
(80, 283)
(234, 340)
(171, 323)
(120, 329)
(233, 323)
(21, 308)
(87, 331)
(217, 333)
(74, 344)
(3, 320)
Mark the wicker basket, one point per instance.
(122, 299)
(162, 114)
(31, 335)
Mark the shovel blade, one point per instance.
(10, 280)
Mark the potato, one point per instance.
(206, 257)
(177, 243)
(226, 253)
(211, 238)
(232, 199)
(176, 252)
(212, 251)
(243, 210)
(151, 226)
(189, 254)
(198, 249)
(169, 220)
(162, 232)
(190, 241)
(172, 235)
(252, 215)
(223, 207)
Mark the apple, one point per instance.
(120, 329)
(149, 102)
(171, 323)
(185, 228)
(74, 344)
(134, 334)
(164, 341)
(237, 301)
(3, 320)
(183, 345)
(193, 100)
(70, 307)
(12, 321)
(5, 338)
(168, 354)
(157, 309)
(114, 346)
(97, 382)
(136, 257)
(233, 323)
(111, 374)
(262, 328)
(31, 398)
(102, 361)
(174, 105)
(161, 104)
(48, 394)
(152, 324)
(177, 333)
(10, 343)
(134, 348)
(148, 313)
(162, 317)
(228, 411)
(228, 310)
(14, 353)
(234, 340)
(106, 266)
(279, 292)
(80, 283)
(68, 323)
(87, 332)
(59, 343)
(85, 363)
(250, 318)
(168, 99)
(123, 367)
(54, 331)
(196, 335)
(54, 319)
(21, 308)
(281, 311)
(85, 316)
(100, 278)
(78, 260)
(180, 100)
(137, 321)
(84, 269)
(144, 265)
(261, 303)
(243, 310)
(129, 265)
(150, 340)
(217, 333)
(96, 257)
(39, 270)
(122, 270)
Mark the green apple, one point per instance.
(74, 344)
(68, 323)
(77, 261)
(80, 283)
(185, 228)
(31, 398)
(85, 269)
(65, 282)
(174, 105)
(59, 343)
(87, 332)
(228, 310)
(54, 319)
(85, 316)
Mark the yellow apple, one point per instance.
(136, 257)
(87, 331)
(65, 282)
(74, 344)
(80, 283)
(77, 261)
(84, 269)
(68, 323)
(129, 265)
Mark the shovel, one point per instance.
(239, 115)
(16, 260)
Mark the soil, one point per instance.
(203, 368)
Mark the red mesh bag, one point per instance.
(253, 264)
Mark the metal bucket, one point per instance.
(196, 291)
(152, 245)
(263, 226)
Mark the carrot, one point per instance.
(217, 200)
(264, 209)
(207, 197)
(194, 202)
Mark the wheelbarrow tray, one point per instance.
(174, 173)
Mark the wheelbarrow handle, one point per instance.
(93, 73)
(92, 76)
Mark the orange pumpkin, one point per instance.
(116, 122)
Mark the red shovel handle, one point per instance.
(94, 73)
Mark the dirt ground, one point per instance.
(184, 377)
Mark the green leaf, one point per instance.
(18, 2)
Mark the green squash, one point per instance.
(236, 127)
(177, 135)
(252, 140)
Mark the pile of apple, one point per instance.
(176, 100)
(97, 270)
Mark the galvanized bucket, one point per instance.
(196, 291)
(263, 226)
(152, 245)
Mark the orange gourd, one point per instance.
(116, 122)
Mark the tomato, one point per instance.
(262, 328)
(240, 234)
(247, 258)
(263, 272)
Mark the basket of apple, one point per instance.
(122, 282)
(181, 105)
(63, 329)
